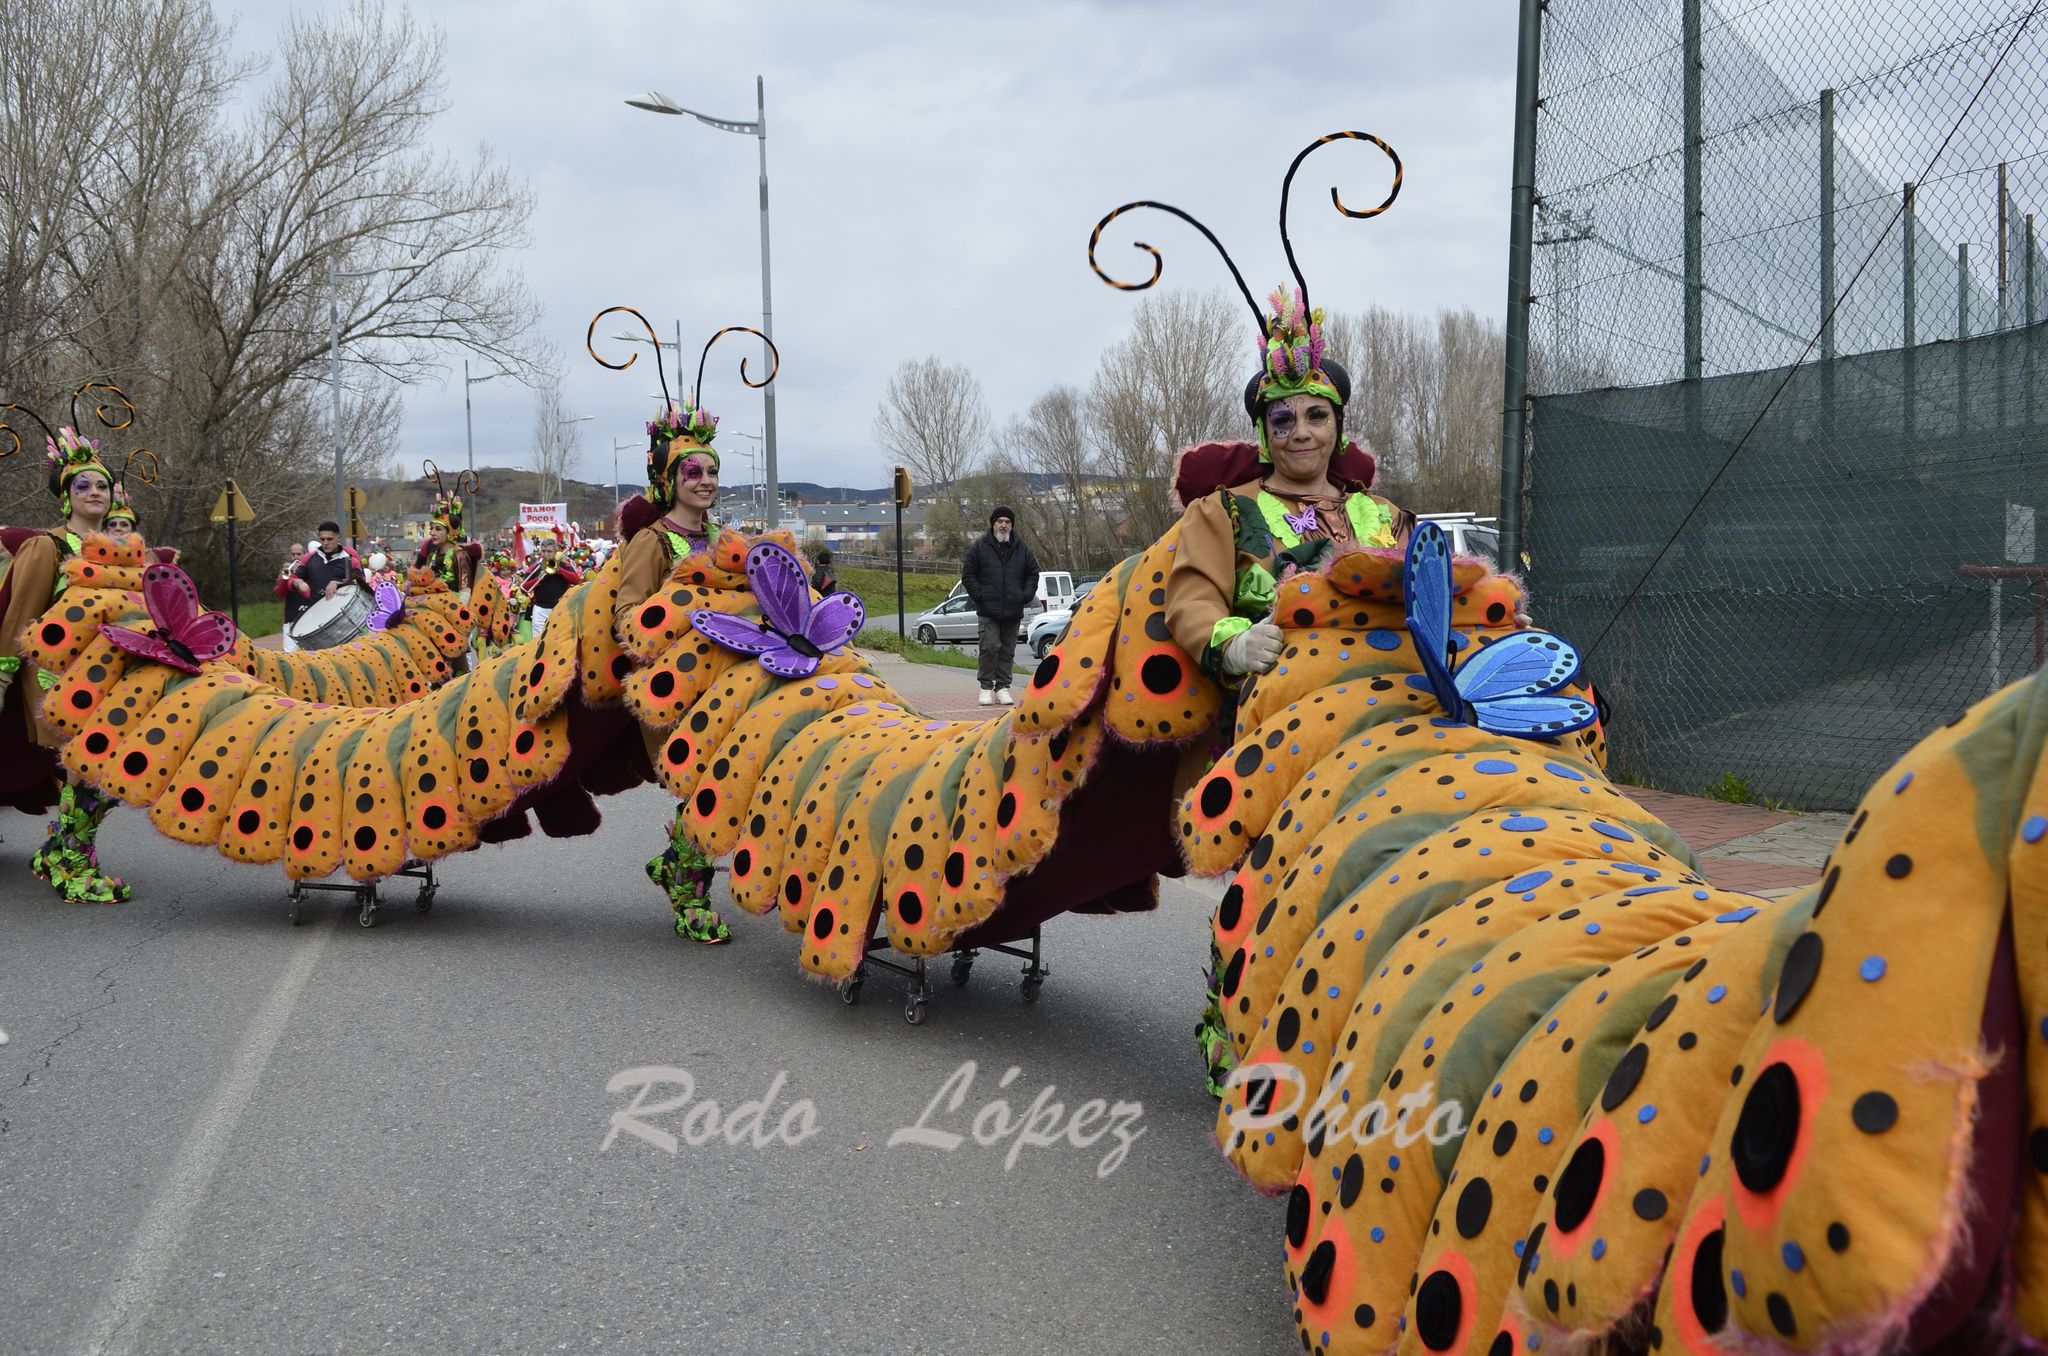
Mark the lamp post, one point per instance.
(657, 102)
(562, 424)
(468, 430)
(617, 498)
(658, 346)
(334, 278)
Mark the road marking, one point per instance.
(117, 1322)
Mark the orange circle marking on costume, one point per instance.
(1758, 1210)
(1679, 1276)
(1230, 940)
(1556, 1239)
(1460, 1269)
(1336, 1305)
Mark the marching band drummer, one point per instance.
(329, 566)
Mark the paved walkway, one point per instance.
(1741, 847)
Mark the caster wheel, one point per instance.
(1030, 986)
(962, 968)
(426, 898)
(913, 1012)
(367, 917)
(849, 989)
(295, 906)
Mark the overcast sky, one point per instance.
(934, 172)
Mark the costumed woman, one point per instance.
(682, 486)
(444, 554)
(85, 490)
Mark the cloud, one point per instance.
(935, 170)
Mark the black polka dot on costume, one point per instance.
(1297, 1215)
(1364, 1316)
(1898, 866)
(1767, 1129)
(1503, 1344)
(1838, 1236)
(1627, 1072)
(1874, 1113)
(1475, 1204)
(1650, 1204)
(1802, 966)
(1439, 1305)
(1780, 1310)
(1503, 1139)
(1709, 1292)
(1579, 1184)
(1529, 1090)
(1315, 1277)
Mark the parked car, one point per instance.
(1042, 632)
(1055, 591)
(1470, 534)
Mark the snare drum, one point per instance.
(334, 621)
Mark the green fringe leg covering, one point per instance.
(68, 859)
(1210, 1033)
(685, 875)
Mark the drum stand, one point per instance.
(919, 990)
(365, 893)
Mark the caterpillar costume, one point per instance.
(1527, 1081)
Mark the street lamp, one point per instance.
(334, 278)
(561, 424)
(642, 339)
(468, 431)
(656, 102)
(617, 498)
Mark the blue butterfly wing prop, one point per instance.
(1519, 664)
(1426, 585)
(1534, 717)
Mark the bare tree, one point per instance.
(1047, 452)
(189, 258)
(933, 420)
(1174, 382)
(557, 438)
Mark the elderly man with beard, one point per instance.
(1001, 575)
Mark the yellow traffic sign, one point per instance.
(232, 507)
(902, 487)
(357, 498)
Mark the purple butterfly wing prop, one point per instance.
(834, 621)
(734, 632)
(183, 635)
(389, 607)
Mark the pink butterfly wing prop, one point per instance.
(173, 602)
(147, 647)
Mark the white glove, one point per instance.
(1252, 651)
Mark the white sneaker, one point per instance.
(1003, 696)
(984, 697)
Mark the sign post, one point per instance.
(232, 508)
(356, 500)
(902, 497)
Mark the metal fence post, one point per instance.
(1827, 226)
(1909, 415)
(1962, 291)
(1695, 207)
(1514, 414)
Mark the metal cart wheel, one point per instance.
(1030, 987)
(426, 898)
(913, 1010)
(295, 904)
(367, 897)
(963, 966)
(849, 988)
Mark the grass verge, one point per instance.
(1735, 790)
(950, 656)
(876, 590)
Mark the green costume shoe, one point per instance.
(684, 875)
(68, 859)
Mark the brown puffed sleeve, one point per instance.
(643, 565)
(1203, 581)
(32, 587)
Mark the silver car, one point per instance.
(953, 621)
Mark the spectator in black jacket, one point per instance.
(1001, 575)
(329, 566)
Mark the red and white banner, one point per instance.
(554, 517)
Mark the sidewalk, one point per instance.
(1740, 847)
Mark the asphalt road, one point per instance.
(1024, 660)
(219, 1132)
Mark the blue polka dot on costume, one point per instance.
(1383, 640)
(1903, 783)
(1611, 831)
(1545, 1135)
(1493, 766)
(1717, 993)
(1735, 916)
(1795, 1257)
(2034, 828)
(1647, 1114)
(1741, 1286)
(1523, 824)
(1528, 880)
(1599, 1248)
(1592, 929)
(1379, 1235)
(1560, 770)
(1872, 968)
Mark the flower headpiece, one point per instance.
(69, 454)
(1291, 341)
(684, 429)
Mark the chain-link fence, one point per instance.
(1789, 332)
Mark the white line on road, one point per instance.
(117, 1322)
